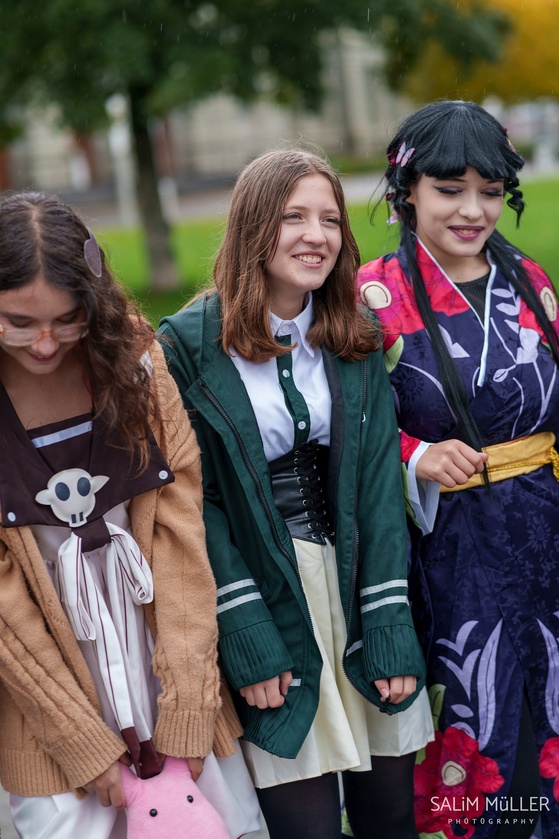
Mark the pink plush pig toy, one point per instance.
(169, 806)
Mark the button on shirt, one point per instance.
(266, 394)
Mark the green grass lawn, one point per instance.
(196, 242)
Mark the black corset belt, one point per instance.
(299, 487)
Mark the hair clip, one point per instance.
(509, 141)
(404, 154)
(391, 158)
(92, 255)
(394, 217)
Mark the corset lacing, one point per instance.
(299, 487)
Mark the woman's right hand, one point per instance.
(270, 693)
(450, 462)
(108, 787)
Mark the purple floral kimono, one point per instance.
(487, 562)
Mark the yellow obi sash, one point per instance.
(518, 457)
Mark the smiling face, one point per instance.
(454, 219)
(310, 239)
(38, 305)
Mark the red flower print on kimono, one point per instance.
(451, 783)
(547, 296)
(380, 288)
(549, 763)
(442, 293)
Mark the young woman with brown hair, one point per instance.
(304, 510)
(107, 600)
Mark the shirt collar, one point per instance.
(297, 328)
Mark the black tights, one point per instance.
(379, 803)
(307, 809)
(376, 801)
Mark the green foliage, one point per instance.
(178, 51)
(524, 68)
(20, 45)
(468, 32)
(168, 53)
(197, 242)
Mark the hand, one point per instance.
(396, 689)
(449, 462)
(108, 787)
(270, 693)
(196, 766)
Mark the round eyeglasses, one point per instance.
(16, 337)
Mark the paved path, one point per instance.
(103, 211)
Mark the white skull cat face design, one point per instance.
(71, 495)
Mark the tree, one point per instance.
(15, 73)
(166, 53)
(527, 67)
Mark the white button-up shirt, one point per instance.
(265, 393)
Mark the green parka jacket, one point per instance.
(264, 623)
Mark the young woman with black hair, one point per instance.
(471, 344)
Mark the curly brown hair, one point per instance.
(250, 241)
(42, 235)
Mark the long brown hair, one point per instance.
(250, 241)
(41, 235)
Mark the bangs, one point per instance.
(452, 163)
(448, 143)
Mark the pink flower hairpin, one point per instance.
(404, 154)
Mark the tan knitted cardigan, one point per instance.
(52, 736)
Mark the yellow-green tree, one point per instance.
(528, 66)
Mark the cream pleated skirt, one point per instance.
(347, 729)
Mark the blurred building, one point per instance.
(217, 136)
(220, 134)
